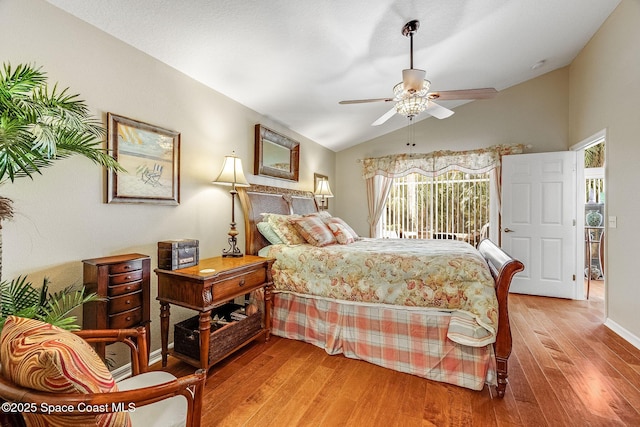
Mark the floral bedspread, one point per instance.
(443, 275)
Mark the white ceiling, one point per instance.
(293, 60)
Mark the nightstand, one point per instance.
(210, 284)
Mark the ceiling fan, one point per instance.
(412, 96)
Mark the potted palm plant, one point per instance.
(39, 125)
(20, 298)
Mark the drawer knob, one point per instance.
(128, 318)
(128, 288)
(242, 282)
(128, 301)
(128, 277)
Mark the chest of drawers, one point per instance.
(123, 282)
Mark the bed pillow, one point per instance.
(267, 231)
(343, 233)
(43, 357)
(320, 214)
(314, 230)
(284, 229)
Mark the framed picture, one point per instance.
(151, 157)
(276, 155)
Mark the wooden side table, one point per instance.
(211, 283)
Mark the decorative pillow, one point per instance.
(314, 230)
(43, 357)
(341, 233)
(267, 231)
(284, 229)
(341, 230)
(320, 214)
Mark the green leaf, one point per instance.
(20, 298)
(58, 306)
(38, 125)
(17, 295)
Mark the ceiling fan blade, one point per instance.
(438, 111)
(362, 101)
(386, 116)
(452, 95)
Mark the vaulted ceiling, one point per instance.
(294, 60)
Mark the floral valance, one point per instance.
(438, 162)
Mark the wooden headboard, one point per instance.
(259, 199)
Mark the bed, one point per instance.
(432, 308)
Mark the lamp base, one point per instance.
(226, 254)
(233, 250)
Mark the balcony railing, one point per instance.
(454, 205)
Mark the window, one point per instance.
(454, 205)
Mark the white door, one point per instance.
(538, 221)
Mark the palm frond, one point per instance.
(17, 295)
(20, 298)
(38, 125)
(59, 305)
(6, 208)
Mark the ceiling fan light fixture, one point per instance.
(412, 106)
(412, 96)
(401, 93)
(413, 79)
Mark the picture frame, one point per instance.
(276, 155)
(151, 156)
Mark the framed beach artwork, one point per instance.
(151, 157)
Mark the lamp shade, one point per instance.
(323, 189)
(232, 173)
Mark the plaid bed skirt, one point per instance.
(404, 339)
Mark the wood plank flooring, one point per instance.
(566, 369)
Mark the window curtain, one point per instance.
(378, 189)
(379, 172)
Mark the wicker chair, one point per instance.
(154, 396)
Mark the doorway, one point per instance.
(591, 221)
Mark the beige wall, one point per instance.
(604, 94)
(535, 112)
(60, 216)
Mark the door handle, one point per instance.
(508, 230)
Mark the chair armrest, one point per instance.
(190, 386)
(136, 339)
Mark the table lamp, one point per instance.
(232, 175)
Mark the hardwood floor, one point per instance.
(567, 369)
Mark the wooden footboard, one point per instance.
(503, 267)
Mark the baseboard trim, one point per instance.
(624, 333)
(124, 371)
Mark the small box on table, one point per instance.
(175, 254)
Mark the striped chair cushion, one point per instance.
(43, 357)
